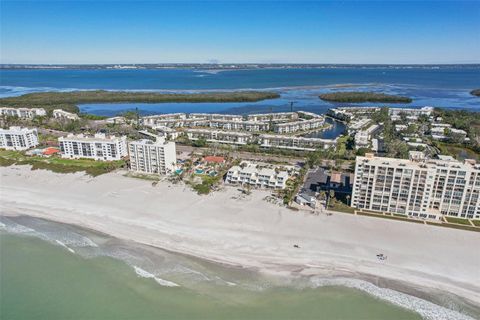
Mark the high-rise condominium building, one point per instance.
(99, 147)
(417, 187)
(17, 138)
(157, 157)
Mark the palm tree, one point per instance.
(331, 195)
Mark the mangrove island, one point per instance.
(68, 101)
(475, 92)
(357, 96)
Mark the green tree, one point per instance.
(201, 142)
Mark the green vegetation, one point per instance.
(475, 92)
(358, 96)
(336, 205)
(465, 120)
(459, 152)
(395, 147)
(202, 142)
(458, 220)
(343, 152)
(292, 187)
(136, 175)
(476, 222)
(59, 165)
(207, 183)
(388, 216)
(68, 100)
(454, 226)
(87, 116)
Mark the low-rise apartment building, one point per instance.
(294, 143)
(180, 123)
(251, 126)
(23, 113)
(152, 157)
(411, 113)
(302, 125)
(350, 113)
(257, 176)
(151, 121)
(229, 137)
(418, 187)
(17, 138)
(363, 138)
(62, 114)
(276, 116)
(99, 147)
(216, 116)
(116, 120)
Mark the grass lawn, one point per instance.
(458, 220)
(340, 206)
(59, 165)
(398, 217)
(149, 177)
(476, 222)
(454, 226)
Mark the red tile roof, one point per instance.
(50, 151)
(214, 159)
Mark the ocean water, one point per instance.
(55, 271)
(439, 87)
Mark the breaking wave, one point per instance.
(426, 309)
(145, 274)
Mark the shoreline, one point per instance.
(249, 233)
(425, 302)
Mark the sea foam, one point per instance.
(426, 309)
(145, 274)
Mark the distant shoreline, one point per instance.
(229, 66)
(360, 97)
(69, 101)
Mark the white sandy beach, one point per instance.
(250, 232)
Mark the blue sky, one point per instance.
(248, 31)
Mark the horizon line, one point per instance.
(241, 63)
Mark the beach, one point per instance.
(248, 231)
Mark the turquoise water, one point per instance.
(447, 87)
(452, 77)
(43, 281)
(55, 271)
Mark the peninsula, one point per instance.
(358, 96)
(68, 100)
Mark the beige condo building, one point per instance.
(418, 187)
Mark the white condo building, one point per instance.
(256, 176)
(24, 113)
(62, 114)
(277, 116)
(229, 137)
(216, 116)
(411, 113)
(17, 138)
(157, 157)
(417, 187)
(302, 125)
(98, 147)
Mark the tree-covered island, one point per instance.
(68, 101)
(475, 92)
(358, 96)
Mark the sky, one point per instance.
(76, 32)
